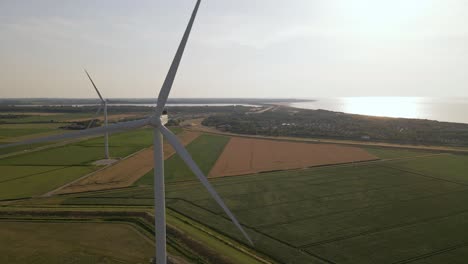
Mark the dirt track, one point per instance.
(125, 172)
(246, 156)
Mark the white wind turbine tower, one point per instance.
(157, 121)
(102, 105)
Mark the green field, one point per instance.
(12, 131)
(205, 151)
(85, 152)
(450, 168)
(20, 149)
(393, 211)
(395, 153)
(410, 207)
(27, 181)
(52, 118)
(35, 173)
(49, 243)
(17, 132)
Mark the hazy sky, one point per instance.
(238, 48)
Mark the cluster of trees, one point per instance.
(80, 125)
(177, 114)
(286, 121)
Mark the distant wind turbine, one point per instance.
(102, 105)
(157, 121)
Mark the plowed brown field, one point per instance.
(246, 156)
(123, 173)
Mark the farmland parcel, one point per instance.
(125, 172)
(50, 243)
(246, 156)
(408, 210)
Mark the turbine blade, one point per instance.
(183, 153)
(114, 128)
(94, 85)
(167, 85)
(94, 116)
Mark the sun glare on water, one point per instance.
(407, 107)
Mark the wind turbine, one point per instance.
(157, 121)
(102, 105)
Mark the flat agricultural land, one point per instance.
(397, 153)
(18, 132)
(45, 117)
(407, 207)
(35, 173)
(205, 150)
(247, 156)
(125, 172)
(28, 181)
(386, 212)
(407, 210)
(50, 243)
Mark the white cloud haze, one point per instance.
(244, 48)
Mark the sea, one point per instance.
(440, 109)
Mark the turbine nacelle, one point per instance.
(158, 122)
(164, 119)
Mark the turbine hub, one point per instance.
(155, 121)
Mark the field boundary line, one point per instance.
(91, 193)
(210, 130)
(417, 156)
(49, 220)
(35, 174)
(140, 225)
(124, 169)
(383, 205)
(223, 239)
(221, 232)
(247, 177)
(209, 175)
(315, 184)
(53, 145)
(378, 230)
(247, 226)
(424, 175)
(324, 166)
(431, 254)
(349, 163)
(119, 216)
(50, 193)
(242, 156)
(73, 195)
(294, 247)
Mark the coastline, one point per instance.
(446, 110)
